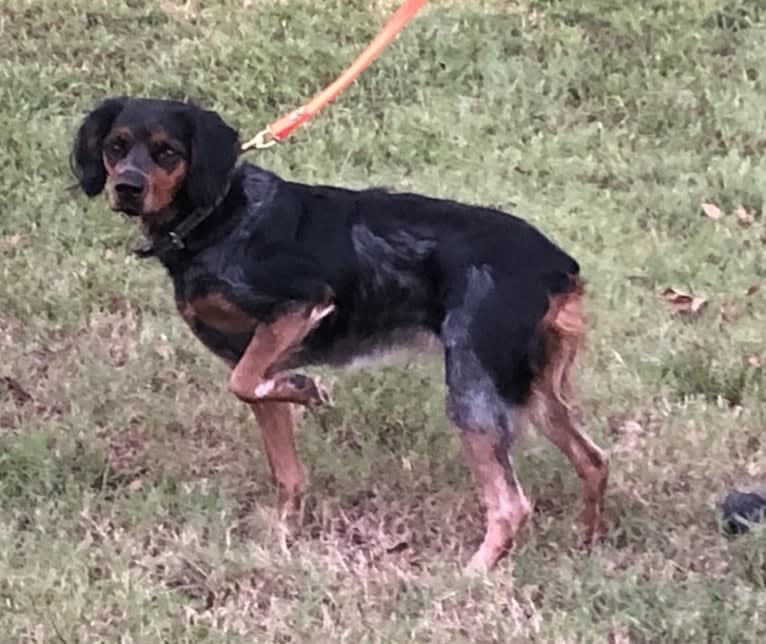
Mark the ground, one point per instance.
(135, 503)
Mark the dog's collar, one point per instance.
(156, 245)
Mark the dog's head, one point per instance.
(153, 156)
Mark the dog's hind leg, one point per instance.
(555, 423)
(507, 508)
(563, 329)
(487, 421)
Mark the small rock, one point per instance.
(742, 508)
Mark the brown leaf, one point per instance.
(755, 361)
(752, 290)
(17, 393)
(682, 303)
(619, 635)
(744, 218)
(711, 210)
(11, 242)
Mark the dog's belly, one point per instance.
(398, 347)
(380, 332)
(360, 351)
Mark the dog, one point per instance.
(273, 275)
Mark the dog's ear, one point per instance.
(85, 159)
(214, 152)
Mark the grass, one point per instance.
(135, 504)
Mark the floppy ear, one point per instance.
(214, 151)
(85, 160)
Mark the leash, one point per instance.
(279, 130)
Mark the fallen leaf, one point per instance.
(752, 290)
(11, 241)
(711, 210)
(744, 218)
(17, 393)
(619, 635)
(755, 361)
(682, 303)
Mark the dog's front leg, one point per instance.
(275, 421)
(252, 379)
(269, 398)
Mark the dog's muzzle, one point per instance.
(129, 189)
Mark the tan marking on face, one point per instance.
(120, 133)
(112, 169)
(163, 187)
(159, 135)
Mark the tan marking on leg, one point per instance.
(507, 506)
(276, 423)
(252, 379)
(591, 464)
(564, 327)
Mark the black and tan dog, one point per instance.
(273, 275)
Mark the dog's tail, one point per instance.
(564, 328)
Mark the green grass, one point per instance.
(135, 503)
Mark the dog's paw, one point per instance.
(311, 390)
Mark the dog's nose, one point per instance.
(130, 184)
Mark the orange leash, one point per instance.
(279, 130)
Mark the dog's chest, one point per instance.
(214, 311)
(218, 323)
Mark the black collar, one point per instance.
(157, 244)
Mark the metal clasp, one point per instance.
(176, 240)
(264, 139)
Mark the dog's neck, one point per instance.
(169, 231)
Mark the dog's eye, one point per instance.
(117, 146)
(163, 152)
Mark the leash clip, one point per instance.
(264, 139)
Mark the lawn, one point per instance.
(135, 501)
